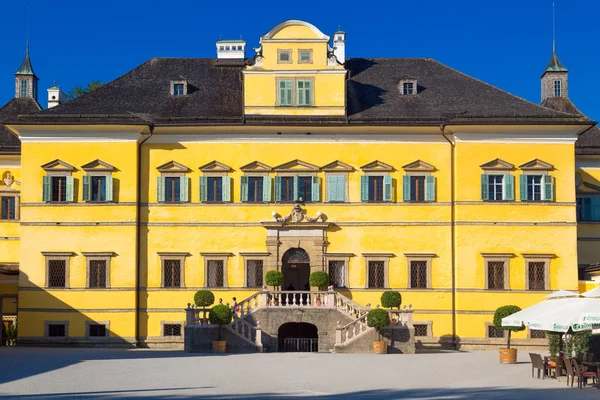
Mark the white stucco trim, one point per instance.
(565, 137)
(295, 138)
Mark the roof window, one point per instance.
(178, 88)
(408, 86)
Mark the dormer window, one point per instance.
(407, 86)
(557, 88)
(178, 88)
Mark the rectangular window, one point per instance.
(304, 93)
(214, 189)
(557, 88)
(336, 274)
(172, 273)
(494, 332)
(284, 56)
(418, 274)
(495, 187)
(59, 188)
(56, 330)
(286, 93)
(417, 188)
(534, 187)
(172, 189)
(304, 56)
(23, 88)
(97, 330)
(421, 330)
(57, 272)
(172, 330)
(8, 208)
(408, 88)
(375, 188)
(287, 188)
(336, 188)
(254, 273)
(97, 273)
(255, 188)
(537, 334)
(495, 275)
(585, 209)
(98, 188)
(215, 273)
(305, 188)
(178, 89)
(537, 272)
(376, 274)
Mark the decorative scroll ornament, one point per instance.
(298, 215)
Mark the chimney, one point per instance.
(55, 96)
(339, 45)
(231, 49)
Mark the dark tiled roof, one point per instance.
(215, 97)
(9, 143)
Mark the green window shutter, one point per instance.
(70, 185)
(316, 189)
(226, 189)
(429, 188)
(387, 188)
(296, 189)
(244, 188)
(336, 188)
(160, 189)
(47, 188)
(109, 188)
(508, 187)
(485, 190)
(202, 188)
(548, 187)
(341, 188)
(86, 194)
(277, 188)
(331, 188)
(266, 188)
(406, 188)
(364, 188)
(523, 187)
(184, 189)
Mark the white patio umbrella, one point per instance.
(562, 293)
(592, 293)
(558, 315)
(593, 316)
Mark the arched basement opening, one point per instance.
(298, 337)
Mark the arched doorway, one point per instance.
(295, 265)
(298, 337)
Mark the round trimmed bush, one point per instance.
(391, 299)
(274, 278)
(319, 279)
(204, 298)
(220, 315)
(378, 318)
(503, 312)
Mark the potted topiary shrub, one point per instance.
(319, 279)
(220, 315)
(391, 299)
(379, 319)
(507, 355)
(274, 278)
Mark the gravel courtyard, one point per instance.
(54, 373)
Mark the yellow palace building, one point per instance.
(390, 174)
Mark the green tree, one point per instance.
(503, 312)
(379, 319)
(220, 315)
(81, 90)
(391, 299)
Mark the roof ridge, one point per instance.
(506, 92)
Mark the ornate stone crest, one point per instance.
(298, 214)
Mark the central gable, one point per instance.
(294, 29)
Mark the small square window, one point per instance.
(421, 330)
(56, 330)
(304, 56)
(408, 88)
(172, 330)
(494, 332)
(97, 330)
(284, 56)
(178, 89)
(537, 334)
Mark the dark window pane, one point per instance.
(536, 276)
(56, 330)
(305, 188)
(287, 188)
(59, 188)
(172, 273)
(172, 330)
(495, 187)
(417, 188)
(214, 188)
(336, 273)
(254, 277)
(172, 189)
(97, 330)
(255, 189)
(215, 273)
(534, 187)
(376, 274)
(97, 273)
(56, 273)
(8, 208)
(98, 188)
(495, 275)
(420, 330)
(494, 332)
(418, 274)
(376, 188)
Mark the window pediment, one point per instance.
(537, 165)
(256, 166)
(418, 166)
(296, 165)
(173, 166)
(336, 166)
(98, 165)
(58, 165)
(377, 166)
(497, 165)
(215, 166)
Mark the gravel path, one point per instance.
(54, 373)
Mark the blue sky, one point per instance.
(505, 43)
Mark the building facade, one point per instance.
(389, 174)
